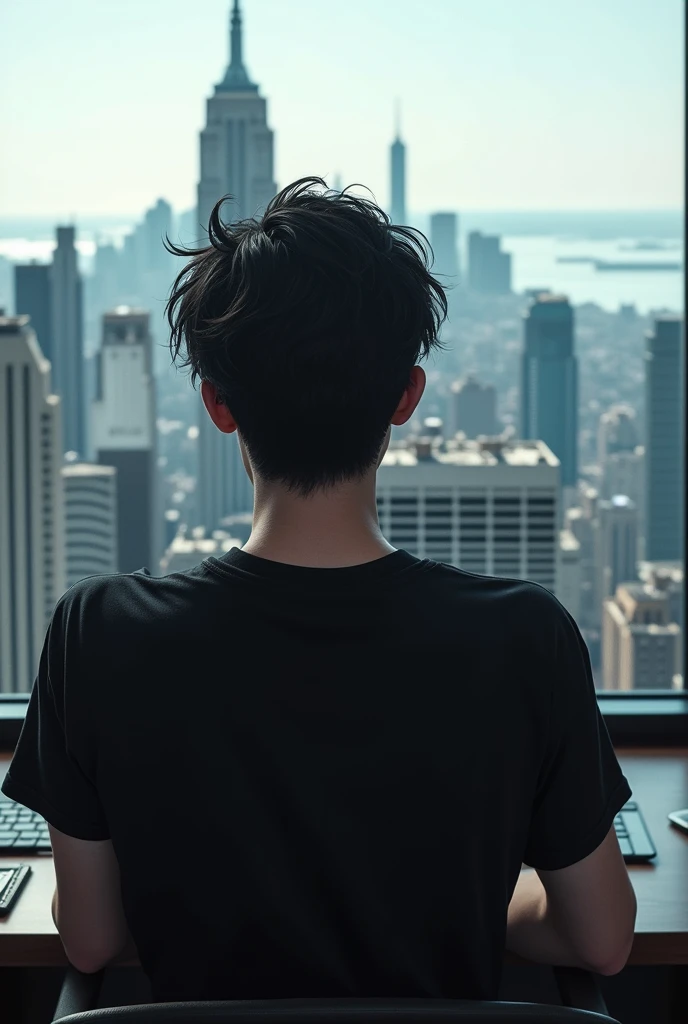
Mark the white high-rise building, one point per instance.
(489, 506)
(236, 143)
(90, 496)
(32, 573)
(124, 433)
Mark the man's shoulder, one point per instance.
(128, 594)
(524, 599)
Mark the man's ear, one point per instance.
(217, 410)
(411, 397)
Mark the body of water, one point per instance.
(536, 241)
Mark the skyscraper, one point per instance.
(474, 407)
(236, 157)
(397, 157)
(485, 506)
(617, 543)
(236, 143)
(664, 444)
(33, 297)
(124, 433)
(640, 644)
(32, 576)
(489, 269)
(67, 341)
(90, 500)
(549, 381)
(444, 228)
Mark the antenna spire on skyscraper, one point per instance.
(397, 118)
(236, 77)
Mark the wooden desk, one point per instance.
(659, 779)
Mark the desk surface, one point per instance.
(658, 777)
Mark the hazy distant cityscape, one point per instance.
(548, 444)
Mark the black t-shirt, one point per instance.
(319, 782)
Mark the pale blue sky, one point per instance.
(507, 104)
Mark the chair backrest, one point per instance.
(338, 1011)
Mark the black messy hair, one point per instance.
(308, 321)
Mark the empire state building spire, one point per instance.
(236, 76)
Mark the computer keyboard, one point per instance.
(21, 830)
(25, 831)
(631, 831)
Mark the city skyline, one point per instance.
(625, 109)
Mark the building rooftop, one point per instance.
(11, 324)
(483, 452)
(88, 469)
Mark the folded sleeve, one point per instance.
(580, 787)
(46, 773)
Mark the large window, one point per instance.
(538, 145)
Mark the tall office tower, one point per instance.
(236, 158)
(486, 506)
(570, 573)
(236, 144)
(617, 543)
(444, 240)
(67, 341)
(664, 444)
(397, 174)
(549, 381)
(157, 225)
(124, 432)
(33, 298)
(474, 407)
(624, 473)
(582, 523)
(32, 574)
(640, 645)
(489, 269)
(90, 512)
(616, 432)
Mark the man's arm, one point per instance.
(578, 916)
(87, 905)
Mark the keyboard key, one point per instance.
(26, 842)
(33, 834)
(626, 848)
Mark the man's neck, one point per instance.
(329, 530)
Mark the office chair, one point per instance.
(80, 992)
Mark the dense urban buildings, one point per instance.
(473, 407)
(68, 341)
(236, 143)
(516, 393)
(397, 174)
(664, 440)
(640, 645)
(90, 515)
(33, 298)
(32, 573)
(125, 435)
(187, 550)
(549, 381)
(489, 269)
(489, 506)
